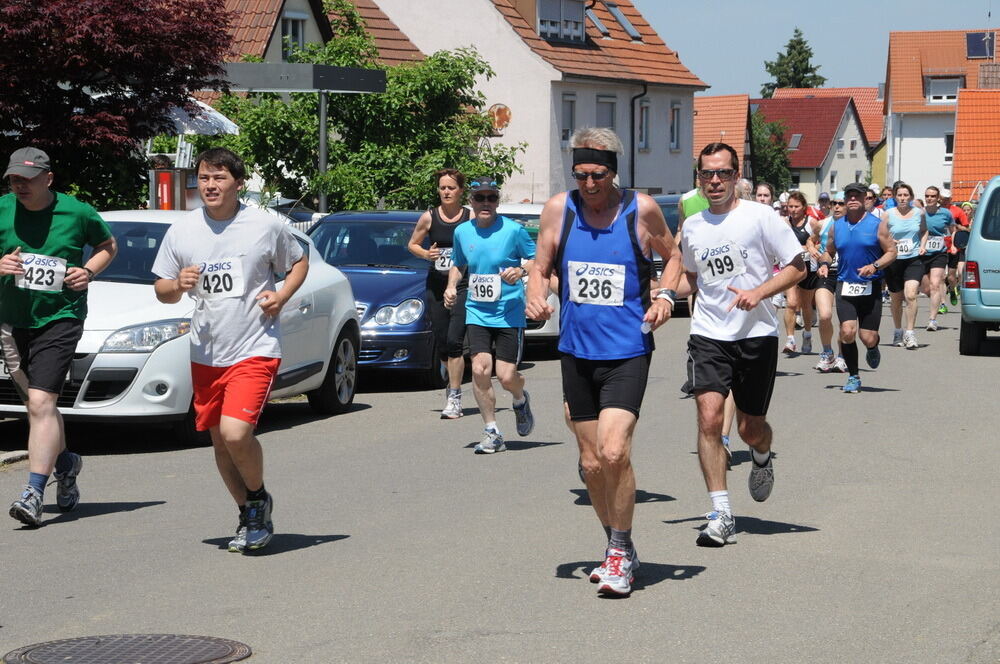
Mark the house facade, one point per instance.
(724, 119)
(566, 64)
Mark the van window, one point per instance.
(990, 221)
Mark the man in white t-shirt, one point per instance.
(225, 256)
(728, 252)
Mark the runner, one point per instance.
(938, 225)
(449, 323)
(906, 225)
(864, 248)
(826, 286)
(605, 310)
(492, 249)
(764, 193)
(728, 253)
(224, 256)
(956, 255)
(43, 303)
(800, 296)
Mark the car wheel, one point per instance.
(970, 337)
(185, 432)
(340, 383)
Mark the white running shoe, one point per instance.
(825, 363)
(790, 348)
(492, 442)
(721, 530)
(452, 409)
(619, 573)
(910, 341)
(840, 364)
(932, 325)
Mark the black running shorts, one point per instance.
(590, 386)
(902, 270)
(939, 259)
(867, 309)
(39, 358)
(746, 367)
(508, 342)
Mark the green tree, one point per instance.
(770, 152)
(383, 148)
(793, 68)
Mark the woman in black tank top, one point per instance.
(800, 296)
(438, 225)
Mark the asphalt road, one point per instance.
(397, 544)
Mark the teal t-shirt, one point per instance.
(492, 302)
(60, 231)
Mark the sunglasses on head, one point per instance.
(476, 184)
(596, 176)
(482, 198)
(723, 173)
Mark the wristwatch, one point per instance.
(90, 273)
(666, 294)
(875, 264)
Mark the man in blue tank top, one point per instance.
(864, 248)
(598, 239)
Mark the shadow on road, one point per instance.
(290, 414)
(519, 445)
(582, 498)
(752, 525)
(87, 510)
(649, 574)
(865, 388)
(282, 543)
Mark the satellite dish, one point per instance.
(500, 115)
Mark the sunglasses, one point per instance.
(596, 176)
(723, 173)
(483, 198)
(838, 202)
(476, 184)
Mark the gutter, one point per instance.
(631, 134)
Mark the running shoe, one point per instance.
(799, 323)
(943, 309)
(619, 573)
(840, 364)
(807, 343)
(260, 530)
(452, 409)
(778, 300)
(239, 541)
(873, 357)
(789, 348)
(825, 363)
(522, 414)
(28, 508)
(932, 325)
(910, 340)
(953, 296)
(492, 442)
(597, 573)
(67, 492)
(897, 338)
(721, 530)
(886, 299)
(729, 452)
(853, 385)
(761, 479)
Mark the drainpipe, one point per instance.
(631, 134)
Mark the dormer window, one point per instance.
(942, 90)
(293, 33)
(562, 20)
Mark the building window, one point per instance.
(293, 33)
(568, 116)
(854, 148)
(840, 145)
(606, 105)
(942, 90)
(949, 147)
(644, 128)
(796, 180)
(623, 21)
(833, 180)
(562, 20)
(675, 127)
(794, 143)
(858, 175)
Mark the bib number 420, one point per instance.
(217, 283)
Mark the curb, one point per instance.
(13, 457)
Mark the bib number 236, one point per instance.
(597, 283)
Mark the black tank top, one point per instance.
(442, 233)
(802, 232)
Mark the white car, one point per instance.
(528, 214)
(133, 362)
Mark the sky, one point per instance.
(849, 38)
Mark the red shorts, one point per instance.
(239, 391)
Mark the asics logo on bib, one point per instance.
(31, 259)
(595, 271)
(719, 251)
(215, 267)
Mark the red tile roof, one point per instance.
(721, 118)
(253, 23)
(977, 141)
(816, 118)
(865, 100)
(394, 47)
(914, 55)
(617, 58)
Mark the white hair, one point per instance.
(600, 138)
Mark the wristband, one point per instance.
(666, 294)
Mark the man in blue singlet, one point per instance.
(492, 247)
(598, 241)
(864, 247)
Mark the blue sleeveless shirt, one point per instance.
(603, 285)
(857, 246)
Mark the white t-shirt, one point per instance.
(238, 260)
(739, 249)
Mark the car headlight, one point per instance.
(146, 337)
(404, 314)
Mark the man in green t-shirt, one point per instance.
(43, 302)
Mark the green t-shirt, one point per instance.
(59, 231)
(693, 202)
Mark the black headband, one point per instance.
(599, 157)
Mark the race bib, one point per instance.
(220, 279)
(854, 289)
(905, 246)
(443, 262)
(935, 243)
(811, 263)
(41, 273)
(597, 283)
(722, 262)
(484, 287)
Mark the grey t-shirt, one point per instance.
(238, 259)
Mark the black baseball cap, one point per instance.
(857, 188)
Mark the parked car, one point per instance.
(389, 289)
(528, 215)
(981, 281)
(133, 362)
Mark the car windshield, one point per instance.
(370, 243)
(528, 220)
(138, 243)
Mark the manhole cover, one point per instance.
(132, 649)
